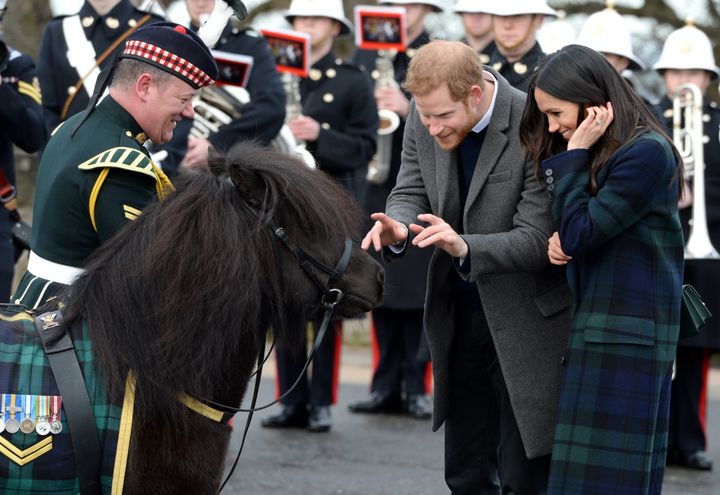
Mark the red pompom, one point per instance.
(180, 29)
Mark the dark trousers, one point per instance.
(484, 453)
(398, 333)
(320, 389)
(687, 400)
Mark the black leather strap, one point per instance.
(75, 401)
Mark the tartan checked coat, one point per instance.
(626, 274)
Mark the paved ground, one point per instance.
(384, 455)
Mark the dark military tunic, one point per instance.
(486, 52)
(339, 96)
(57, 76)
(517, 73)
(89, 185)
(261, 118)
(21, 124)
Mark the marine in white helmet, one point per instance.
(515, 26)
(609, 33)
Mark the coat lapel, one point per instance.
(495, 141)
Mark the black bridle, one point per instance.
(331, 296)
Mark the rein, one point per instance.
(330, 297)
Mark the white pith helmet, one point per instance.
(608, 32)
(320, 8)
(687, 48)
(436, 5)
(556, 34)
(473, 6)
(521, 7)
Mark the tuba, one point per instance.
(688, 139)
(379, 166)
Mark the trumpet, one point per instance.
(379, 166)
(688, 139)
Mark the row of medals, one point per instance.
(49, 423)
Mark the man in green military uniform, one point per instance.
(95, 174)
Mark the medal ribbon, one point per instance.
(12, 406)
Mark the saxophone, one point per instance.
(379, 166)
(293, 109)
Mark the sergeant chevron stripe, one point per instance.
(130, 212)
(22, 457)
(29, 90)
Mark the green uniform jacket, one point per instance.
(90, 184)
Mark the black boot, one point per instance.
(291, 416)
(320, 419)
(379, 402)
(419, 407)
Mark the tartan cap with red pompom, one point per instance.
(174, 49)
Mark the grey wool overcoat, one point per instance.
(507, 223)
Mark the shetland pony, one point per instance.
(182, 298)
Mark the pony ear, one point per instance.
(248, 183)
(216, 163)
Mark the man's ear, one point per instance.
(142, 86)
(475, 95)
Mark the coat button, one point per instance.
(562, 360)
(551, 187)
(328, 97)
(550, 180)
(548, 172)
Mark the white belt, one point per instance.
(49, 270)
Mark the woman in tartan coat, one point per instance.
(614, 178)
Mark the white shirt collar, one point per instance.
(485, 120)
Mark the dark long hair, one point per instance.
(580, 75)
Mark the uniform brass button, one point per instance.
(520, 68)
(705, 139)
(325, 125)
(328, 97)
(128, 134)
(315, 74)
(668, 113)
(497, 66)
(132, 23)
(706, 117)
(330, 73)
(71, 90)
(410, 52)
(375, 74)
(87, 21)
(484, 58)
(112, 22)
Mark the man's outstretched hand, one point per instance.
(386, 231)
